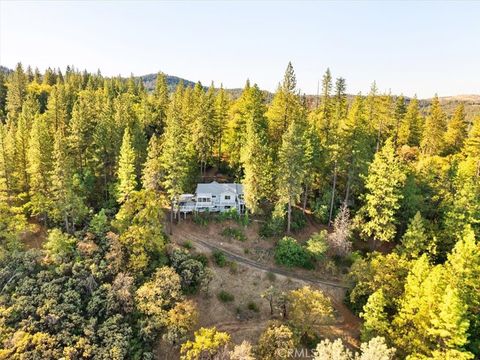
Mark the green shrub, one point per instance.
(233, 267)
(290, 253)
(191, 270)
(233, 214)
(252, 306)
(202, 258)
(201, 218)
(225, 296)
(275, 226)
(317, 245)
(234, 233)
(299, 220)
(219, 258)
(187, 245)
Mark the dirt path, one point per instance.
(251, 263)
(336, 290)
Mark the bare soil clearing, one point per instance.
(251, 277)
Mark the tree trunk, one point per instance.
(171, 218)
(333, 192)
(349, 181)
(67, 229)
(305, 197)
(219, 152)
(289, 216)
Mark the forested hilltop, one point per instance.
(96, 163)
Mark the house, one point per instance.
(213, 197)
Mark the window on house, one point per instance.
(227, 197)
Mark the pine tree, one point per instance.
(433, 134)
(313, 161)
(423, 290)
(472, 144)
(376, 322)
(463, 269)
(177, 152)
(235, 131)
(384, 184)
(410, 130)
(161, 101)
(17, 90)
(5, 161)
(415, 241)
(340, 101)
(152, 171)
(356, 149)
(12, 222)
(256, 158)
(127, 179)
(325, 111)
(222, 105)
(284, 109)
(399, 114)
(291, 171)
(126, 115)
(456, 131)
(203, 128)
(3, 96)
(68, 207)
(40, 166)
(81, 128)
(25, 121)
(450, 324)
(57, 111)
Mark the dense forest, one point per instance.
(99, 162)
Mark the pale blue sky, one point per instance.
(407, 47)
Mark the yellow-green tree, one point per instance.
(383, 184)
(434, 131)
(208, 344)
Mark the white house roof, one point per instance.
(216, 188)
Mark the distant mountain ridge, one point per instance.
(149, 81)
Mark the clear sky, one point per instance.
(407, 47)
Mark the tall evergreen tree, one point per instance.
(3, 96)
(472, 144)
(285, 107)
(356, 149)
(399, 114)
(152, 171)
(340, 101)
(40, 166)
(433, 134)
(25, 121)
(222, 105)
(17, 90)
(127, 178)
(57, 111)
(410, 130)
(177, 153)
(203, 128)
(68, 206)
(415, 240)
(456, 131)
(384, 184)
(291, 170)
(256, 156)
(236, 130)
